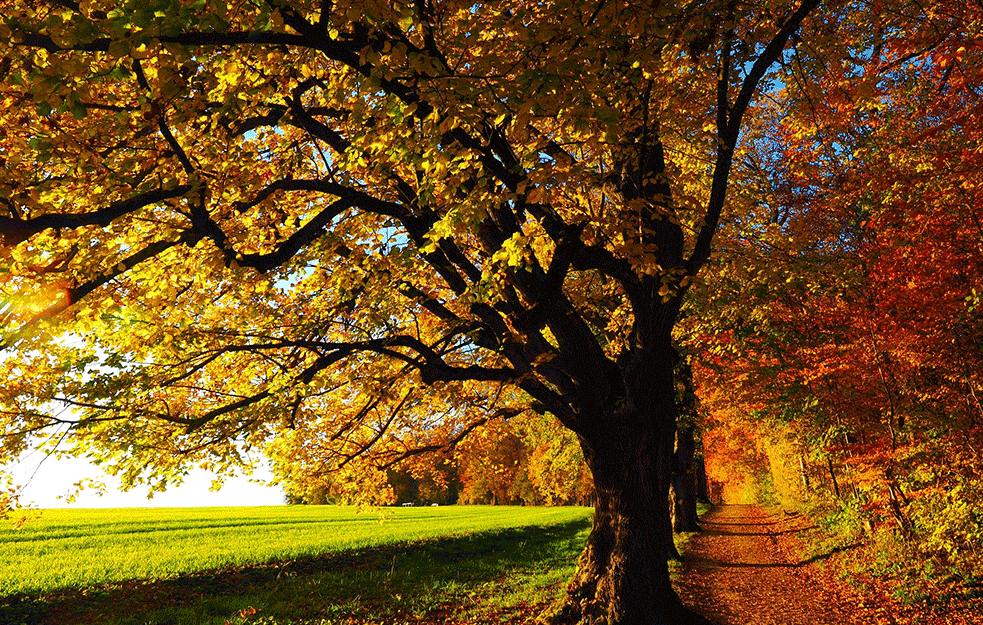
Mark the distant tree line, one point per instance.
(528, 460)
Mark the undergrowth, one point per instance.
(917, 565)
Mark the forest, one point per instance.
(567, 251)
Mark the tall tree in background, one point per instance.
(846, 324)
(370, 227)
(684, 475)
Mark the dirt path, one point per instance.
(746, 568)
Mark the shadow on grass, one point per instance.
(412, 582)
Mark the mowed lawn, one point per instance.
(64, 548)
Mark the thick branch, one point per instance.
(37, 40)
(728, 134)
(14, 231)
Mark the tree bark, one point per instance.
(672, 552)
(832, 475)
(665, 474)
(804, 474)
(684, 491)
(683, 470)
(622, 577)
(702, 484)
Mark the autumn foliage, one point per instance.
(846, 357)
(351, 233)
(527, 460)
(462, 241)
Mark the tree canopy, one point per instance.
(350, 233)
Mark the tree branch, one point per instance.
(14, 231)
(729, 134)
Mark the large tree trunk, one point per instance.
(684, 483)
(622, 577)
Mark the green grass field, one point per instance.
(72, 548)
(285, 565)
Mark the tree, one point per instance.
(555, 463)
(227, 224)
(846, 332)
(493, 468)
(684, 476)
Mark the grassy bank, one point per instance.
(280, 566)
(77, 548)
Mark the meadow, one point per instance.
(163, 566)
